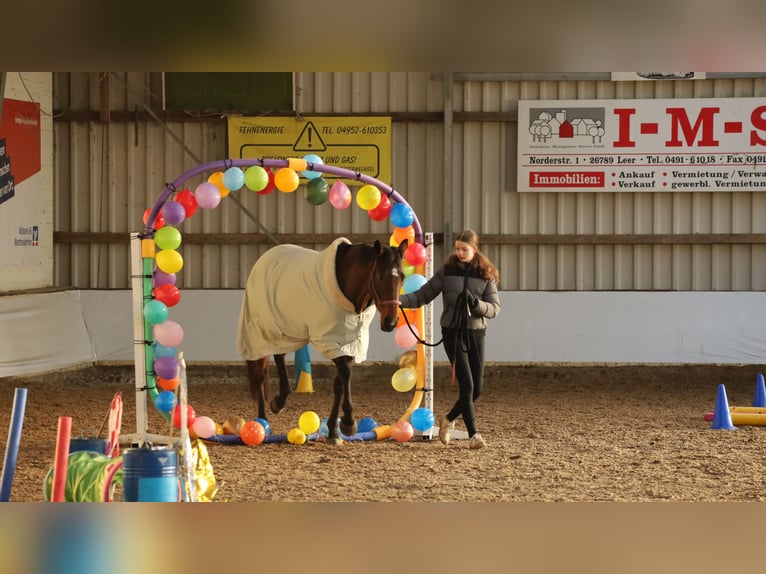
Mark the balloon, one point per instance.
(402, 233)
(296, 436)
(173, 212)
(271, 186)
(309, 422)
(368, 197)
(159, 221)
(366, 424)
(167, 238)
(169, 333)
(159, 277)
(408, 359)
(407, 268)
(422, 419)
(265, 424)
(316, 160)
(166, 367)
(217, 180)
(191, 416)
(402, 215)
(233, 425)
(256, 178)
(163, 351)
(165, 401)
(252, 433)
(415, 254)
(204, 427)
(169, 260)
(286, 180)
(233, 179)
(402, 431)
(188, 200)
(404, 379)
(404, 338)
(168, 294)
(155, 311)
(208, 195)
(411, 316)
(325, 430)
(168, 384)
(413, 282)
(339, 195)
(316, 191)
(381, 212)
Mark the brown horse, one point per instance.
(280, 314)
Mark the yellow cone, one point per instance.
(305, 384)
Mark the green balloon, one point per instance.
(167, 237)
(155, 312)
(316, 191)
(256, 178)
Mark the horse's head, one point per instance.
(386, 281)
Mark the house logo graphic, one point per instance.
(569, 125)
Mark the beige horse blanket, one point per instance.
(292, 298)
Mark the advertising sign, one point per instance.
(642, 145)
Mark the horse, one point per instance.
(295, 296)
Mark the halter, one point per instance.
(375, 295)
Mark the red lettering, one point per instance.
(759, 123)
(623, 120)
(681, 120)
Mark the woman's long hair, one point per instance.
(480, 265)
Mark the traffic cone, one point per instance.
(722, 414)
(759, 400)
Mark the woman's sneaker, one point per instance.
(476, 442)
(445, 429)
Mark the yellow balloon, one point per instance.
(309, 422)
(217, 180)
(296, 436)
(408, 359)
(404, 379)
(169, 260)
(368, 197)
(286, 180)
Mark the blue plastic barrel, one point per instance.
(150, 475)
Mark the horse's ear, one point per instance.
(403, 247)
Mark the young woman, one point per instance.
(468, 284)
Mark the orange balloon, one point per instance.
(286, 180)
(402, 233)
(217, 180)
(402, 431)
(252, 433)
(168, 384)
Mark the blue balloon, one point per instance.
(325, 430)
(163, 351)
(233, 178)
(401, 215)
(422, 419)
(366, 424)
(315, 159)
(413, 282)
(265, 424)
(165, 401)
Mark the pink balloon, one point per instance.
(208, 195)
(339, 195)
(404, 338)
(168, 333)
(204, 427)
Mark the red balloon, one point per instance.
(271, 186)
(383, 210)
(252, 432)
(415, 254)
(188, 200)
(159, 221)
(167, 293)
(191, 416)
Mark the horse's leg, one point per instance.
(342, 388)
(278, 402)
(260, 386)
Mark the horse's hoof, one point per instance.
(275, 408)
(337, 441)
(348, 430)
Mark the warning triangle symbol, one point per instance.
(309, 139)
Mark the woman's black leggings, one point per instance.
(466, 351)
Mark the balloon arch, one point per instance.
(155, 260)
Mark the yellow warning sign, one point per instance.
(359, 143)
